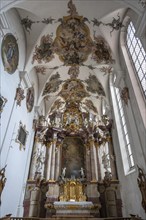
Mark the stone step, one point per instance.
(73, 218)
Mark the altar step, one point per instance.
(73, 217)
(77, 217)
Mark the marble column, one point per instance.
(48, 175)
(53, 160)
(98, 164)
(58, 163)
(88, 164)
(95, 162)
(93, 175)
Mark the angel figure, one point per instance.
(82, 173)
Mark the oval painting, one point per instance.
(30, 99)
(10, 53)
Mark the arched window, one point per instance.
(137, 55)
(123, 131)
(127, 145)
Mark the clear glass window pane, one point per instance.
(134, 57)
(134, 42)
(140, 74)
(143, 82)
(138, 55)
(137, 65)
(143, 66)
(131, 49)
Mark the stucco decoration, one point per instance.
(2, 103)
(73, 72)
(101, 52)
(115, 24)
(143, 3)
(106, 69)
(30, 99)
(73, 90)
(27, 22)
(10, 53)
(53, 84)
(19, 95)
(125, 95)
(94, 86)
(72, 118)
(40, 69)
(90, 106)
(45, 51)
(58, 104)
(73, 43)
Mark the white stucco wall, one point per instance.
(17, 160)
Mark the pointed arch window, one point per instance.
(127, 144)
(137, 55)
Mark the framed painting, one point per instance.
(2, 103)
(22, 136)
(10, 53)
(30, 99)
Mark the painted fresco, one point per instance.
(10, 53)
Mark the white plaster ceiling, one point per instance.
(102, 10)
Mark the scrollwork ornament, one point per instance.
(125, 95)
(19, 95)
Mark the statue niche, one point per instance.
(73, 151)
